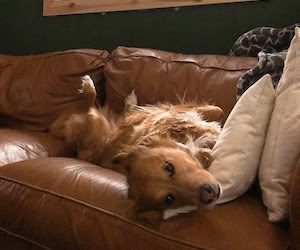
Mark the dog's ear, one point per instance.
(131, 211)
(152, 217)
(121, 162)
(204, 156)
(120, 158)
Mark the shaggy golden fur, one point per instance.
(163, 149)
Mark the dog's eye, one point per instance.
(170, 169)
(169, 199)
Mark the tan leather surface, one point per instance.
(36, 89)
(295, 208)
(64, 203)
(18, 145)
(12, 242)
(159, 76)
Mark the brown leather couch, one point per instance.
(49, 200)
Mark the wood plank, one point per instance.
(67, 7)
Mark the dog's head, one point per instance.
(163, 174)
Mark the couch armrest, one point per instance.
(295, 209)
(63, 203)
(19, 145)
(56, 202)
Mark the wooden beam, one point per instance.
(67, 7)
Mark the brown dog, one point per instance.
(163, 150)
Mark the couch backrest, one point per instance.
(159, 76)
(35, 90)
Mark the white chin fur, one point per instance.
(168, 213)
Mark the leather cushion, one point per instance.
(159, 76)
(35, 90)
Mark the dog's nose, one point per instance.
(207, 193)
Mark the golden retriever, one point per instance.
(163, 149)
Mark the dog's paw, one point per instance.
(87, 85)
(168, 213)
(131, 101)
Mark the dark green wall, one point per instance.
(201, 29)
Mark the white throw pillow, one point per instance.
(238, 150)
(282, 147)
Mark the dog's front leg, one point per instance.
(211, 113)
